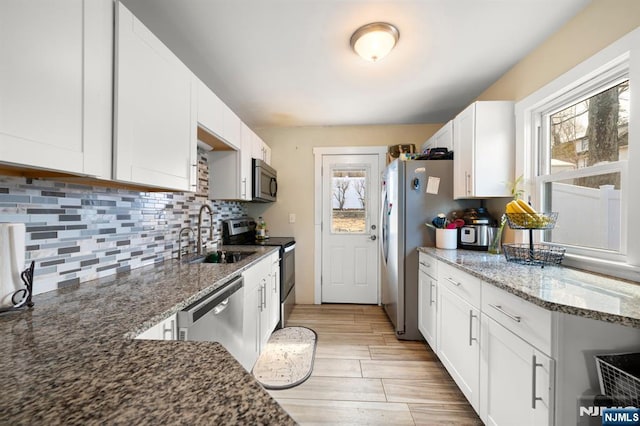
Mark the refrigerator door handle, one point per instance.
(383, 199)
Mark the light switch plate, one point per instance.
(292, 218)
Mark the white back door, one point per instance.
(350, 209)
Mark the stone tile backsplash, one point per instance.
(77, 233)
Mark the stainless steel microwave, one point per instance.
(265, 182)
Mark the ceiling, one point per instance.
(289, 63)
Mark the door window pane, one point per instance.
(349, 200)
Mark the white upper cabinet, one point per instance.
(246, 180)
(230, 170)
(261, 150)
(210, 109)
(232, 130)
(217, 118)
(56, 85)
(443, 138)
(484, 146)
(155, 115)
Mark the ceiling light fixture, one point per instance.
(374, 41)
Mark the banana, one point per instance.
(525, 206)
(517, 214)
(514, 207)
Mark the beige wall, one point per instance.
(598, 25)
(601, 23)
(292, 156)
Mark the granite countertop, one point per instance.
(555, 288)
(71, 360)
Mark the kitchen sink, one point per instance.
(215, 257)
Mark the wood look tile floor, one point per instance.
(364, 375)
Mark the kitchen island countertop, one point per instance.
(71, 358)
(555, 288)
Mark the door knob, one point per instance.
(373, 238)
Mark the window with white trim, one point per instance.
(578, 146)
(582, 150)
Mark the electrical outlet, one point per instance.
(292, 218)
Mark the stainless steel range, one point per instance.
(241, 231)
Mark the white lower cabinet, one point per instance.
(258, 319)
(251, 322)
(274, 305)
(164, 330)
(459, 342)
(516, 379)
(428, 307)
(495, 346)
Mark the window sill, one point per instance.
(603, 266)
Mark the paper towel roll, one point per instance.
(12, 249)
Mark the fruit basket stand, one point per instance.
(533, 253)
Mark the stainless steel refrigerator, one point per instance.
(413, 192)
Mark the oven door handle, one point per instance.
(289, 248)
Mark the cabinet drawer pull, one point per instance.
(428, 265)
(502, 311)
(471, 317)
(452, 281)
(534, 366)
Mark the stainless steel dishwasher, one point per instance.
(217, 317)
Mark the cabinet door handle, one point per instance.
(456, 283)
(471, 317)
(244, 188)
(260, 302)
(264, 294)
(502, 311)
(170, 330)
(467, 182)
(534, 366)
(431, 287)
(195, 185)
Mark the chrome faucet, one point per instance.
(199, 242)
(180, 241)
